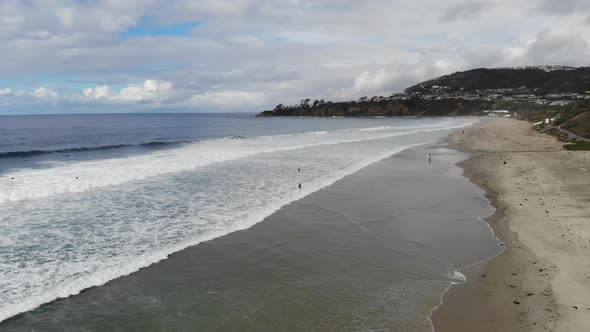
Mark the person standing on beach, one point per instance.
(299, 185)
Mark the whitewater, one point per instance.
(70, 225)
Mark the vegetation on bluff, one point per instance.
(384, 107)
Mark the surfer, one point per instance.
(298, 169)
(428, 155)
(299, 185)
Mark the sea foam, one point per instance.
(75, 177)
(129, 213)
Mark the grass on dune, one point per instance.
(577, 146)
(579, 125)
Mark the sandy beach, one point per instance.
(541, 192)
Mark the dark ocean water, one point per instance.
(24, 136)
(86, 200)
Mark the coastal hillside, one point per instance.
(535, 80)
(471, 92)
(579, 125)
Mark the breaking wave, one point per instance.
(32, 153)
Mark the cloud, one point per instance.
(260, 53)
(150, 90)
(562, 7)
(467, 10)
(5, 91)
(248, 41)
(98, 92)
(230, 99)
(43, 92)
(367, 81)
(554, 48)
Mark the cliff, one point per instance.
(386, 107)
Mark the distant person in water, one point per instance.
(298, 169)
(428, 155)
(299, 185)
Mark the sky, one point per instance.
(101, 56)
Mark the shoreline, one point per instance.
(382, 236)
(530, 285)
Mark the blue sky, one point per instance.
(69, 56)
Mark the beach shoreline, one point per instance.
(392, 227)
(539, 283)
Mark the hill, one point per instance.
(579, 125)
(536, 80)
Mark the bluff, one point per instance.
(385, 107)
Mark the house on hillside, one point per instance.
(498, 113)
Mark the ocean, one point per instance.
(155, 222)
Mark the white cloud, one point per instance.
(6, 91)
(231, 99)
(150, 90)
(43, 92)
(98, 92)
(248, 41)
(367, 81)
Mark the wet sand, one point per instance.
(373, 251)
(542, 196)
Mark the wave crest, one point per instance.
(32, 153)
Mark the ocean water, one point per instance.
(85, 200)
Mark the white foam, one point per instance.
(63, 245)
(375, 128)
(76, 177)
(458, 278)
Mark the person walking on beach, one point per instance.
(299, 185)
